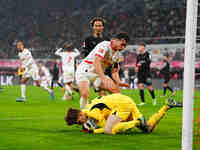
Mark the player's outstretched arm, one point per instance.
(58, 52)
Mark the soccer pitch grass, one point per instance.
(38, 124)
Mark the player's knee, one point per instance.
(108, 131)
(22, 82)
(85, 94)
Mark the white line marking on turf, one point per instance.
(30, 118)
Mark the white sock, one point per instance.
(68, 90)
(83, 103)
(135, 83)
(135, 86)
(23, 90)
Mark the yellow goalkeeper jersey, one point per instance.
(118, 104)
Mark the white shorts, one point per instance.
(31, 71)
(68, 76)
(45, 80)
(85, 72)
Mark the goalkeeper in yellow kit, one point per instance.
(115, 113)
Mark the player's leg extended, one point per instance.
(151, 91)
(155, 119)
(124, 126)
(164, 89)
(23, 89)
(84, 93)
(68, 92)
(52, 83)
(45, 87)
(67, 79)
(23, 86)
(141, 89)
(35, 76)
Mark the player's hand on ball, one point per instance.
(89, 126)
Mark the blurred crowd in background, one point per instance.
(44, 25)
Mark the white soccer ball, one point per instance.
(89, 125)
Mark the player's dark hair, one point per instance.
(142, 44)
(72, 116)
(19, 41)
(97, 19)
(122, 36)
(68, 46)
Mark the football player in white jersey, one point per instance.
(92, 68)
(68, 54)
(30, 70)
(45, 76)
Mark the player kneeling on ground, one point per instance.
(115, 113)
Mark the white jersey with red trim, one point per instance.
(104, 51)
(67, 59)
(28, 63)
(26, 58)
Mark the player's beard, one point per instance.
(99, 34)
(19, 50)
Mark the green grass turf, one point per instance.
(38, 124)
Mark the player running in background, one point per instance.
(30, 70)
(165, 71)
(92, 68)
(115, 113)
(143, 62)
(68, 54)
(45, 76)
(55, 76)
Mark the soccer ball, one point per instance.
(89, 126)
(116, 57)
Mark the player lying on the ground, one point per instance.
(115, 113)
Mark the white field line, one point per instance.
(30, 118)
